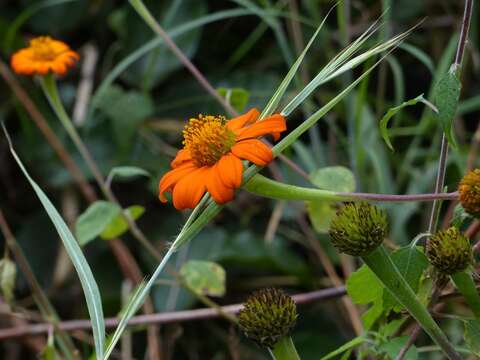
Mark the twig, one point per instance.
(467, 15)
(124, 258)
(44, 304)
(85, 86)
(163, 318)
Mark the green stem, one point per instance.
(381, 264)
(284, 349)
(464, 282)
(262, 186)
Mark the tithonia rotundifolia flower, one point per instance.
(267, 316)
(449, 251)
(358, 228)
(211, 159)
(42, 56)
(469, 191)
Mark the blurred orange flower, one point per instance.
(42, 56)
(211, 159)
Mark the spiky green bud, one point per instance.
(358, 229)
(267, 316)
(469, 191)
(449, 251)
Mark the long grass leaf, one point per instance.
(89, 285)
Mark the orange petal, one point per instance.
(242, 120)
(220, 193)
(169, 180)
(253, 150)
(274, 125)
(230, 169)
(182, 157)
(190, 189)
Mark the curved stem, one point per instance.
(260, 185)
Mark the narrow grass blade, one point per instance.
(89, 285)
(130, 309)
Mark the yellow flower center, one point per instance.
(208, 139)
(43, 49)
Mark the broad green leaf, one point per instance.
(393, 347)
(334, 178)
(363, 286)
(204, 277)
(95, 220)
(126, 172)
(8, 274)
(472, 336)
(411, 263)
(119, 225)
(446, 95)
(392, 112)
(89, 285)
(237, 97)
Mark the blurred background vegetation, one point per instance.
(244, 48)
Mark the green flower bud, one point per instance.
(358, 229)
(267, 316)
(449, 251)
(469, 191)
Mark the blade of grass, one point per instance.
(89, 285)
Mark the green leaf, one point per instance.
(237, 97)
(126, 110)
(119, 225)
(8, 274)
(204, 277)
(411, 263)
(345, 347)
(126, 172)
(393, 347)
(333, 178)
(95, 220)
(392, 112)
(363, 286)
(370, 316)
(89, 285)
(446, 95)
(48, 352)
(472, 336)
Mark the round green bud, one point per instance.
(267, 316)
(358, 229)
(449, 251)
(469, 191)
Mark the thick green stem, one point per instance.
(464, 282)
(381, 264)
(284, 349)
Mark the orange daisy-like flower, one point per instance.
(43, 55)
(211, 159)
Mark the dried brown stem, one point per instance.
(163, 318)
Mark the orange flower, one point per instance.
(211, 159)
(42, 56)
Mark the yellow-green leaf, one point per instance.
(118, 225)
(204, 277)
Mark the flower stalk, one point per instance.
(381, 264)
(284, 349)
